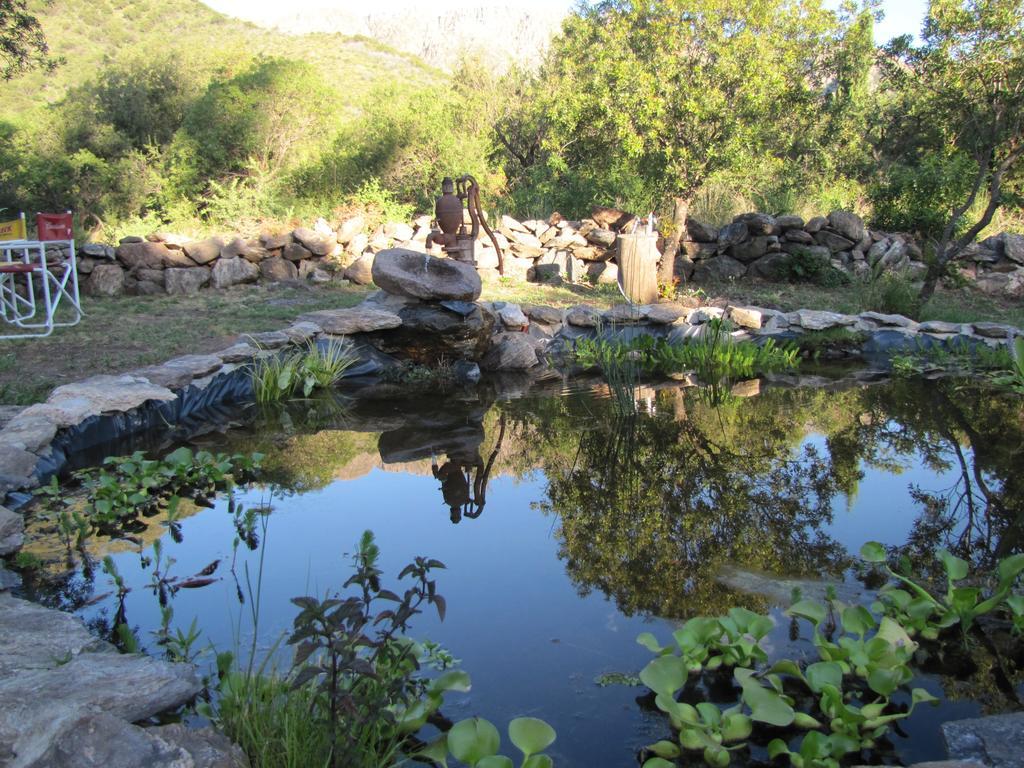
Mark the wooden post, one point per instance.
(638, 267)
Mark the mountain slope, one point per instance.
(438, 32)
(89, 32)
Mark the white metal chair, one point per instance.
(57, 278)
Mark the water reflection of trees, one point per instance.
(975, 436)
(650, 508)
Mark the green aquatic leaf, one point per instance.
(823, 673)
(665, 674)
(873, 552)
(530, 735)
(666, 749)
(956, 568)
(452, 680)
(810, 610)
(495, 761)
(766, 706)
(649, 641)
(858, 620)
(884, 681)
(473, 739)
(658, 762)
(1009, 568)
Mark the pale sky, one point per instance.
(901, 16)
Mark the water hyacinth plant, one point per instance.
(835, 707)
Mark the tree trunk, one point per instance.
(680, 209)
(931, 278)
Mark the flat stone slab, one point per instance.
(302, 331)
(993, 330)
(817, 320)
(666, 314)
(30, 431)
(104, 741)
(12, 530)
(53, 673)
(237, 353)
(72, 403)
(996, 741)
(897, 321)
(182, 371)
(940, 326)
(582, 317)
(343, 322)
(266, 339)
(16, 467)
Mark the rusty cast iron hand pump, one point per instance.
(459, 244)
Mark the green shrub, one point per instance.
(918, 198)
(805, 266)
(894, 295)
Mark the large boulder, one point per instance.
(750, 250)
(204, 251)
(276, 269)
(511, 352)
(12, 530)
(360, 271)
(186, 282)
(143, 255)
(767, 267)
(419, 276)
(431, 333)
(701, 232)
(105, 280)
(55, 673)
(847, 224)
(732, 234)
(240, 248)
(835, 242)
(228, 272)
(350, 228)
(718, 269)
(313, 241)
(1013, 247)
(758, 223)
(274, 241)
(296, 252)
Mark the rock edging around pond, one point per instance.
(68, 699)
(387, 328)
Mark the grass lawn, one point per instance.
(119, 334)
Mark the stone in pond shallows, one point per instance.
(996, 741)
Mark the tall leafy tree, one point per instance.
(22, 42)
(665, 93)
(965, 83)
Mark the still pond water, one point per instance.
(567, 531)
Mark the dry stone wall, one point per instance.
(753, 245)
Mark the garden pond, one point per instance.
(567, 530)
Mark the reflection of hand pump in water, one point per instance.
(448, 211)
(457, 476)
